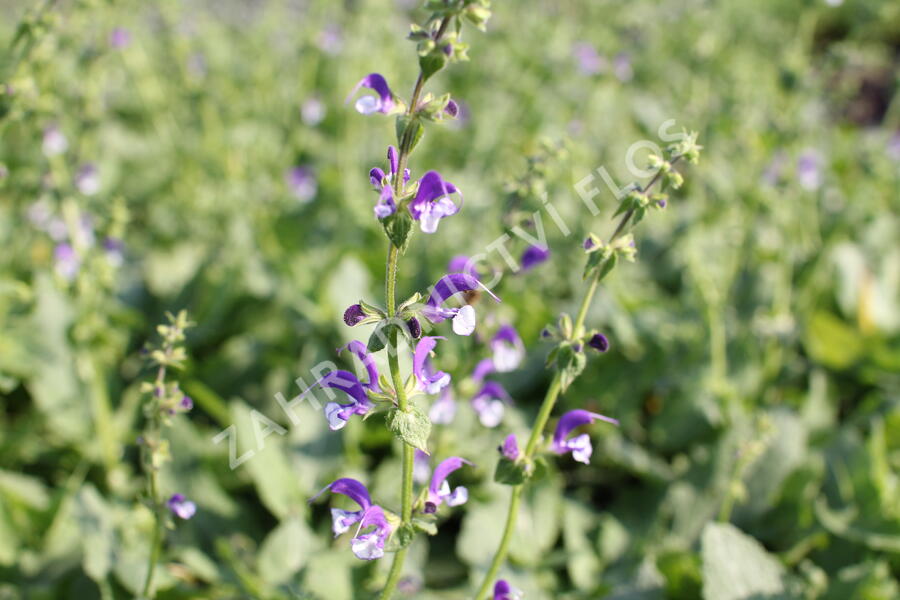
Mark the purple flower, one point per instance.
(345, 381)
(439, 490)
(462, 264)
(421, 467)
(489, 403)
(302, 183)
(354, 314)
(367, 545)
(115, 251)
(533, 256)
(510, 448)
(443, 411)
(87, 180)
(181, 506)
(432, 202)
(507, 348)
(622, 67)
(187, 403)
(484, 368)
(446, 287)
(589, 61)
(312, 111)
(589, 243)
(503, 591)
(66, 261)
(55, 141)
(331, 40)
(119, 38)
(383, 102)
(579, 446)
(774, 171)
(430, 381)
(599, 342)
(386, 205)
(414, 328)
(809, 169)
(368, 361)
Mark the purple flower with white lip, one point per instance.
(447, 287)
(421, 467)
(489, 403)
(302, 183)
(589, 61)
(362, 353)
(510, 447)
(66, 261)
(55, 142)
(809, 170)
(504, 591)
(181, 506)
(430, 381)
(115, 251)
(443, 411)
(354, 314)
(432, 202)
(87, 180)
(533, 256)
(484, 368)
(386, 205)
(119, 38)
(345, 381)
(579, 446)
(507, 348)
(368, 545)
(439, 490)
(384, 101)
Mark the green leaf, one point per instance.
(432, 62)
(570, 364)
(409, 131)
(426, 524)
(398, 228)
(378, 339)
(832, 342)
(95, 524)
(401, 538)
(411, 426)
(510, 472)
(285, 550)
(737, 567)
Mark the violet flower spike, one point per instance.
(432, 202)
(580, 446)
(443, 411)
(439, 490)
(489, 403)
(430, 382)
(181, 507)
(533, 256)
(383, 102)
(446, 287)
(508, 349)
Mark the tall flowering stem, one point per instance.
(602, 259)
(165, 401)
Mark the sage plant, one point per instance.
(574, 339)
(405, 203)
(165, 400)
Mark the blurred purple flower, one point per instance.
(439, 490)
(87, 179)
(533, 256)
(588, 59)
(115, 251)
(66, 261)
(181, 506)
(313, 111)
(119, 38)
(510, 448)
(302, 183)
(809, 169)
(432, 202)
(489, 403)
(331, 39)
(579, 446)
(484, 368)
(893, 146)
(508, 349)
(443, 410)
(54, 142)
(503, 591)
(622, 67)
(599, 342)
(421, 467)
(462, 264)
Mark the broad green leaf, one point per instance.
(737, 567)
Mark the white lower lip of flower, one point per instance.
(581, 448)
(506, 357)
(464, 321)
(367, 546)
(367, 105)
(342, 520)
(491, 414)
(332, 409)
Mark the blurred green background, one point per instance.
(145, 151)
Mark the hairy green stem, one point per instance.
(152, 436)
